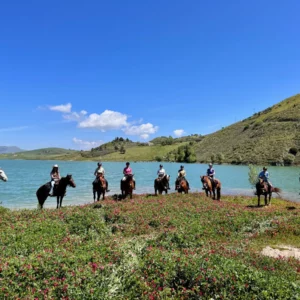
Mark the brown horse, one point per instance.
(262, 188)
(99, 187)
(182, 186)
(127, 186)
(210, 186)
(161, 184)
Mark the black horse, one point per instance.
(161, 184)
(99, 187)
(262, 188)
(59, 190)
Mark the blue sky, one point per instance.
(76, 74)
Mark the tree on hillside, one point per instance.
(253, 175)
(122, 150)
(220, 158)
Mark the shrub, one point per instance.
(253, 174)
(288, 159)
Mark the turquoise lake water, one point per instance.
(26, 176)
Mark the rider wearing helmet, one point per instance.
(161, 174)
(55, 177)
(127, 171)
(181, 175)
(264, 175)
(100, 170)
(210, 171)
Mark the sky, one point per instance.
(76, 74)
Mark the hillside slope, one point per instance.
(271, 137)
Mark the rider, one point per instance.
(127, 171)
(181, 175)
(211, 174)
(210, 171)
(100, 170)
(264, 175)
(55, 177)
(161, 174)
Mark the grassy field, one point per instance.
(165, 247)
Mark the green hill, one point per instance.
(45, 153)
(270, 137)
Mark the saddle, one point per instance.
(213, 181)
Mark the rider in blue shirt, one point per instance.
(210, 171)
(264, 175)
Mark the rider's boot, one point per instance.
(107, 190)
(188, 185)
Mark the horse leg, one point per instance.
(258, 199)
(61, 198)
(103, 198)
(214, 194)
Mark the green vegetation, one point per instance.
(168, 247)
(253, 175)
(270, 137)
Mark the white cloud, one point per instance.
(179, 132)
(106, 121)
(74, 116)
(144, 136)
(64, 108)
(13, 128)
(143, 130)
(87, 145)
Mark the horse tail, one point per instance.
(277, 190)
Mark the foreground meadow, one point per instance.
(164, 247)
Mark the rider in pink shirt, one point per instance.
(128, 171)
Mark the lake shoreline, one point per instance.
(78, 203)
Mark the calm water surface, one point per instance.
(25, 177)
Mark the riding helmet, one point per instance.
(55, 166)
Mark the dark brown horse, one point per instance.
(210, 186)
(59, 190)
(161, 184)
(262, 188)
(182, 186)
(127, 186)
(99, 187)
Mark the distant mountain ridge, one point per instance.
(10, 149)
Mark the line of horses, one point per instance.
(212, 188)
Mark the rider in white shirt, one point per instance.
(161, 173)
(100, 169)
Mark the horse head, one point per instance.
(70, 181)
(206, 182)
(3, 176)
